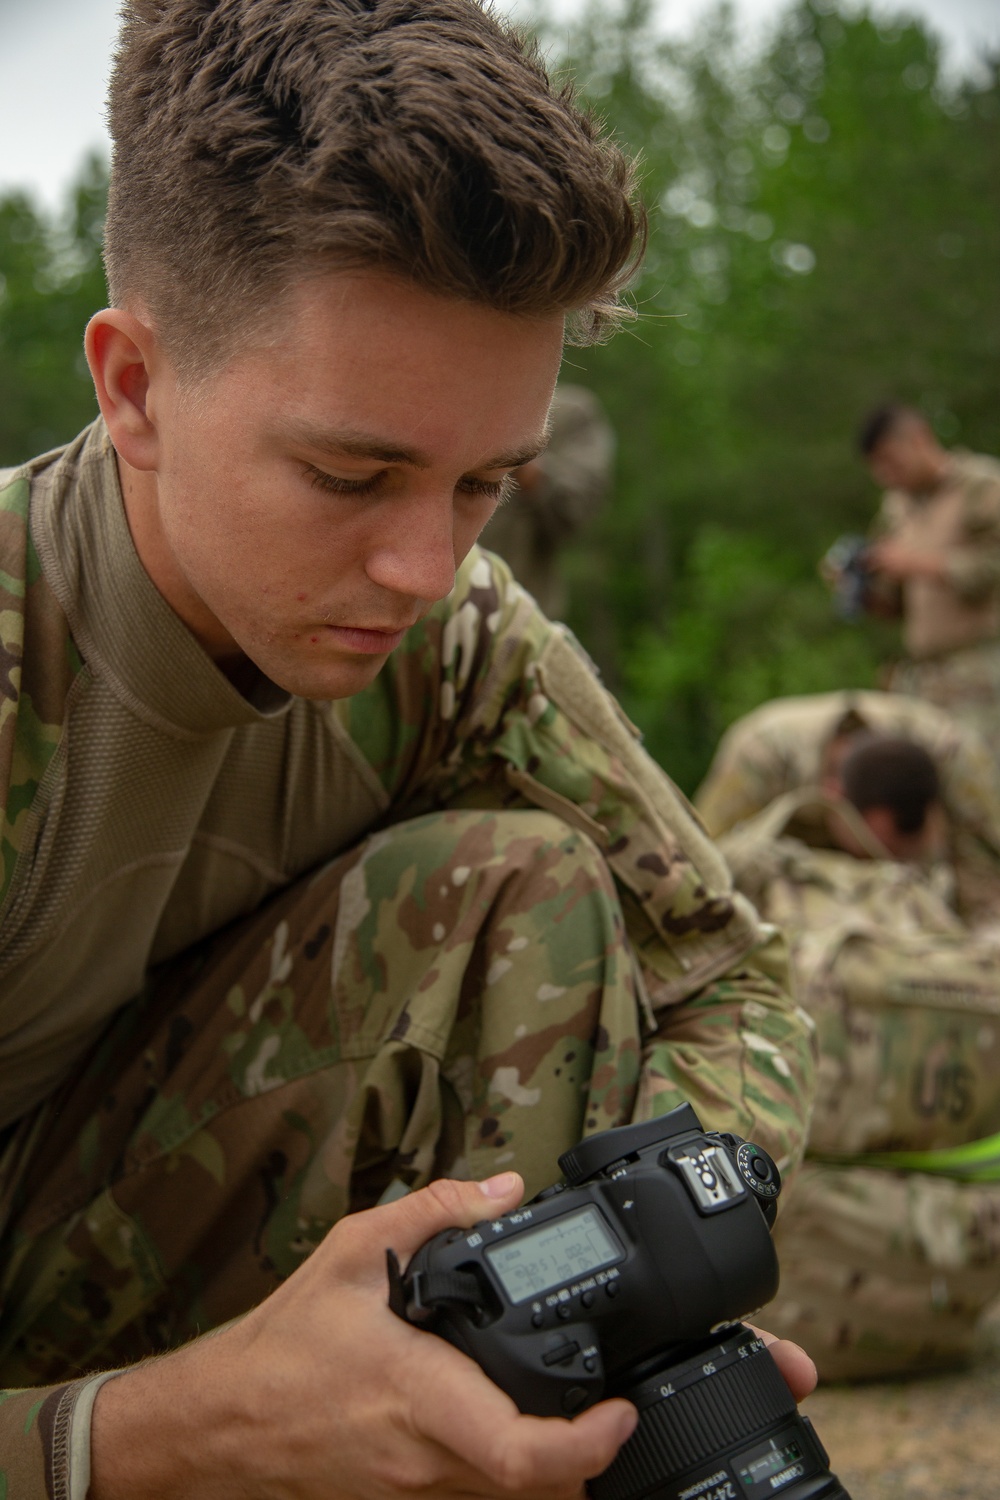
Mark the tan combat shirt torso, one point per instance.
(960, 522)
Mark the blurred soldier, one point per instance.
(557, 495)
(936, 560)
(794, 743)
(890, 1244)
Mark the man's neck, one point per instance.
(139, 496)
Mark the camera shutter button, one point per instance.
(574, 1400)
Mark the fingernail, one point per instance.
(500, 1186)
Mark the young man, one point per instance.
(330, 870)
(936, 559)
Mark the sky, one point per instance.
(55, 54)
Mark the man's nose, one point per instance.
(415, 552)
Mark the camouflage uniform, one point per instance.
(951, 626)
(530, 531)
(965, 683)
(778, 748)
(214, 1041)
(883, 1269)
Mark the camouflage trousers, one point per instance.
(884, 1273)
(966, 683)
(455, 996)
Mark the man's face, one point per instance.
(313, 498)
(908, 458)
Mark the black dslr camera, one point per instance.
(627, 1279)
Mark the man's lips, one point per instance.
(364, 640)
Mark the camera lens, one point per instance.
(719, 1423)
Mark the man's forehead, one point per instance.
(902, 434)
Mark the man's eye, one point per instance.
(335, 485)
(493, 489)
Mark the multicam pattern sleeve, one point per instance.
(45, 1440)
(44, 1433)
(518, 716)
(32, 701)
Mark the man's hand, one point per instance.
(322, 1393)
(897, 561)
(793, 1362)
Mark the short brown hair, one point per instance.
(889, 771)
(259, 140)
(883, 422)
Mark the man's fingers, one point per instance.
(592, 1439)
(408, 1223)
(793, 1362)
(462, 1410)
(542, 1455)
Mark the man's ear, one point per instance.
(122, 353)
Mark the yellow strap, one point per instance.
(976, 1161)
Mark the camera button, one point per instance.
(590, 1363)
(564, 1311)
(561, 1354)
(537, 1319)
(612, 1288)
(574, 1400)
(587, 1299)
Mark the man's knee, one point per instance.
(519, 837)
(443, 864)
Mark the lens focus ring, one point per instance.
(716, 1414)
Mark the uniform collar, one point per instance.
(123, 627)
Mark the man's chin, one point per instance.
(323, 681)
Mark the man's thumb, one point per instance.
(446, 1204)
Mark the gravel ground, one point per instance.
(930, 1438)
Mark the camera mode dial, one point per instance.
(758, 1171)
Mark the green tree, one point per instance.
(51, 280)
(825, 232)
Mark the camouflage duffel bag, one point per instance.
(909, 1037)
(905, 999)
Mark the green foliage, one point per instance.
(825, 235)
(746, 626)
(51, 281)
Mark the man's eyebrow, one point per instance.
(515, 460)
(353, 443)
